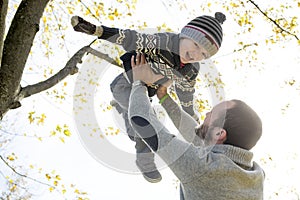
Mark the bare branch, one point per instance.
(272, 20)
(103, 56)
(90, 11)
(69, 69)
(23, 175)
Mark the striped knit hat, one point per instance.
(206, 31)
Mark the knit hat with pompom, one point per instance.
(206, 31)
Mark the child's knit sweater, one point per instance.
(162, 53)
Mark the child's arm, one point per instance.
(185, 89)
(128, 39)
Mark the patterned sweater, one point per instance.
(219, 172)
(162, 53)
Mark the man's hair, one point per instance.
(243, 125)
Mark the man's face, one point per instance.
(213, 122)
(191, 52)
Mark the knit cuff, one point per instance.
(108, 32)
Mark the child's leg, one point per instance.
(121, 89)
(145, 161)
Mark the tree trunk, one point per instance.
(3, 12)
(16, 48)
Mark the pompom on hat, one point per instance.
(206, 31)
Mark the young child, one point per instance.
(175, 56)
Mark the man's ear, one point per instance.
(221, 136)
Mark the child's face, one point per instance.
(191, 52)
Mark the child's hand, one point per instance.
(142, 71)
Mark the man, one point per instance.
(214, 162)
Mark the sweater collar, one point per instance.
(174, 42)
(236, 154)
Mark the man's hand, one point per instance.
(142, 71)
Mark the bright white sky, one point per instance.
(263, 89)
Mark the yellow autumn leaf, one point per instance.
(111, 17)
(58, 128)
(67, 132)
(31, 117)
(11, 157)
(55, 183)
(76, 191)
(48, 176)
(52, 133)
(62, 139)
(57, 177)
(41, 119)
(44, 19)
(234, 5)
(13, 188)
(116, 13)
(97, 13)
(51, 189)
(292, 82)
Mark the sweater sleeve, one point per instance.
(185, 92)
(185, 123)
(186, 98)
(182, 157)
(132, 40)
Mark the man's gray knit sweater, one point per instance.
(220, 172)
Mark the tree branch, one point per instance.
(272, 20)
(103, 56)
(69, 69)
(22, 175)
